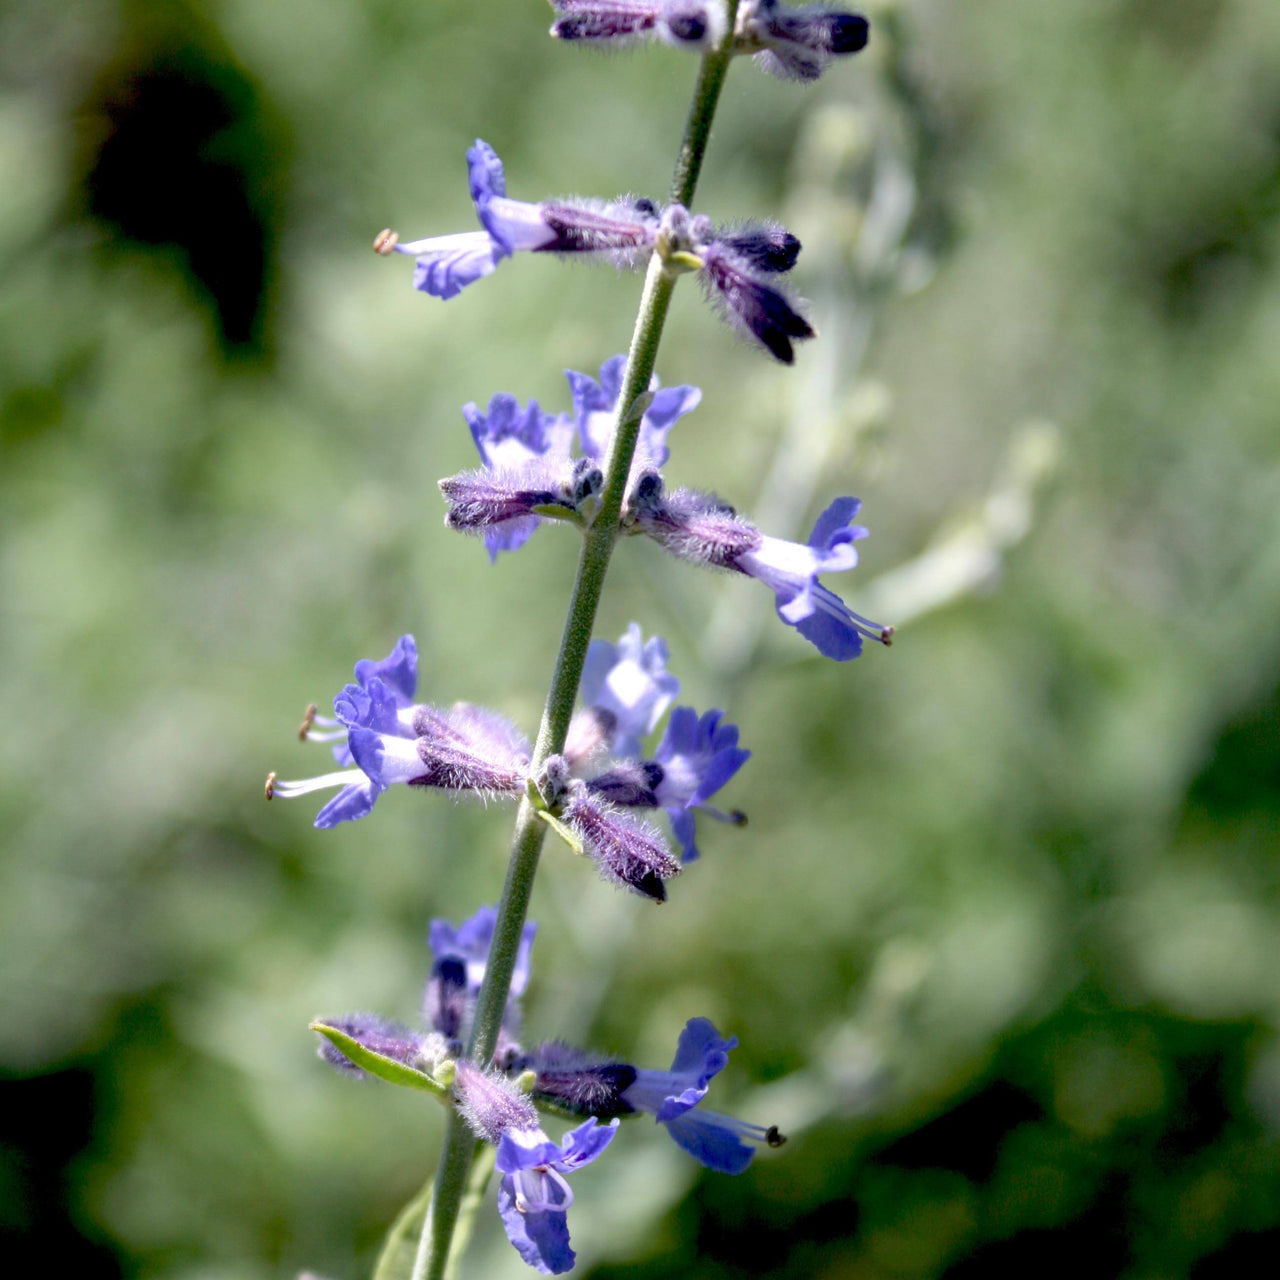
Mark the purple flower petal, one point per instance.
(470, 941)
(398, 670)
(792, 570)
(698, 756)
(373, 706)
(595, 407)
(350, 803)
(533, 1196)
(507, 435)
(540, 1238)
(716, 1141)
(485, 172)
(445, 265)
(630, 681)
(701, 1054)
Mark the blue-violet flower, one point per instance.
(533, 1195)
(529, 469)
(699, 528)
(622, 232)
(576, 1082)
(629, 683)
(464, 749)
(697, 756)
(461, 954)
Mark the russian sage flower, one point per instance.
(463, 749)
(461, 954)
(627, 685)
(738, 267)
(595, 410)
(530, 472)
(732, 263)
(533, 1194)
(620, 232)
(527, 465)
(685, 24)
(626, 689)
(699, 528)
(757, 308)
(792, 42)
(626, 850)
(696, 757)
(797, 42)
(576, 1082)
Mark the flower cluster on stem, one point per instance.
(498, 1100)
(589, 774)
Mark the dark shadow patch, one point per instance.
(185, 155)
(46, 1121)
(967, 1139)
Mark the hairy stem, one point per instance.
(597, 547)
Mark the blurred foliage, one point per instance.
(1000, 941)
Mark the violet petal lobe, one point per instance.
(398, 670)
(630, 681)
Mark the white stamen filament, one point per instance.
(304, 786)
(433, 245)
(831, 603)
(737, 818)
(329, 735)
(529, 1200)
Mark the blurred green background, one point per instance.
(1001, 940)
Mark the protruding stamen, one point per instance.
(289, 790)
(384, 243)
(270, 789)
(735, 817)
(773, 1137)
(308, 719)
(329, 735)
(872, 630)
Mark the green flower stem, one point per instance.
(702, 110)
(473, 1199)
(450, 1187)
(597, 547)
